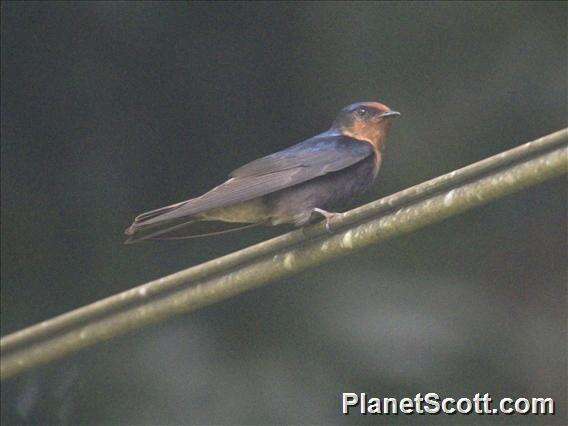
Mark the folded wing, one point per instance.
(302, 162)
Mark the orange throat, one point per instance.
(374, 135)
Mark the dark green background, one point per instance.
(110, 109)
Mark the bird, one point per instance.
(294, 186)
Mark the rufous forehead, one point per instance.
(376, 105)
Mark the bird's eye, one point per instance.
(362, 112)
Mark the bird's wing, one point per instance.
(321, 154)
(302, 162)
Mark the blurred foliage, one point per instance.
(112, 108)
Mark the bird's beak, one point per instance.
(392, 114)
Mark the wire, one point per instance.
(235, 273)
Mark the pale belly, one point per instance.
(252, 211)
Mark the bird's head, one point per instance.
(367, 121)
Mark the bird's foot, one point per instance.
(330, 217)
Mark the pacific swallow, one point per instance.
(293, 186)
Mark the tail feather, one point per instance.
(192, 229)
(154, 213)
(167, 223)
(141, 221)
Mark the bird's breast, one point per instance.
(330, 191)
(377, 161)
